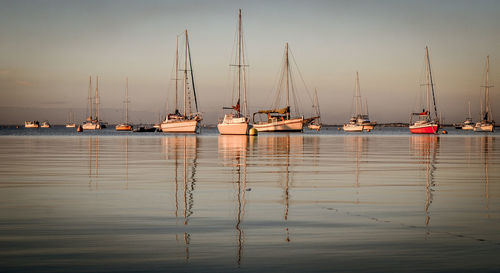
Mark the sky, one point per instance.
(49, 49)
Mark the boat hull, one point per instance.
(314, 127)
(91, 126)
(352, 128)
(233, 128)
(467, 127)
(181, 126)
(483, 128)
(290, 125)
(424, 129)
(123, 127)
(71, 125)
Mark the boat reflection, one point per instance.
(233, 149)
(287, 151)
(425, 148)
(93, 155)
(188, 147)
(356, 146)
(487, 149)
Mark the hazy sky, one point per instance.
(48, 50)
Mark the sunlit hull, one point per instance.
(45, 126)
(233, 128)
(290, 125)
(91, 126)
(468, 127)
(424, 128)
(179, 126)
(316, 127)
(483, 127)
(70, 125)
(123, 127)
(368, 127)
(352, 128)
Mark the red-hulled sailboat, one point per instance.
(424, 123)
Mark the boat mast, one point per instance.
(469, 111)
(176, 71)
(126, 102)
(487, 90)
(90, 98)
(185, 73)
(239, 61)
(97, 99)
(287, 84)
(431, 84)
(192, 77)
(358, 98)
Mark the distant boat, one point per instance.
(486, 124)
(425, 124)
(467, 124)
(71, 123)
(31, 124)
(280, 119)
(187, 122)
(237, 123)
(357, 120)
(45, 124)
(93, 123)
(316, 123)
(125, 126)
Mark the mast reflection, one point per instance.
(188, 145)
(284, 147)
(486, 149)
(425, 148)
(234, 150)
(93, 154)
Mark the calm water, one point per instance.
(377, 202)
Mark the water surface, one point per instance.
(285, 203)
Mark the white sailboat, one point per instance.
(187, 122)
(280, 119)
(468, 124)
(70, 123)
(125, 126)
(93, 122)
(32, 124)
(355, 122)
(316, 123)
(236, 123)
(486, 124)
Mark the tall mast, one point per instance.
(126, 102)
(431, 83)
(487, 89)
(358, 98)
(97, 99)
(427, 84)
(287, 84)
(239, 60)
(185, 72)
(176, 71)
(469, 111)
(90, 98)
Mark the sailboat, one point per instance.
(280, 119)
(92, 122)
(467, 124)
(45, 124)
(125, 126)
(353, 125)
(425, 124)
(32, 124)
(486, 124)
(186, 122)
(316, 123)
(71, 123)
(236, 123)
